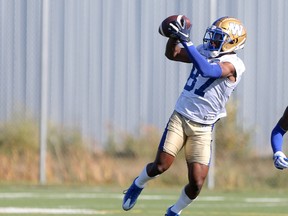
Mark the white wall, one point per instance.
(107, 64)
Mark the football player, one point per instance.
(280, 159)
(215, 73)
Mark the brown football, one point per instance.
(182, 19)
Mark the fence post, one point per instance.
(44, 90)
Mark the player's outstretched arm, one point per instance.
(283, 122)
(278, 132)
(280, 159)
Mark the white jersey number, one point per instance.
(192, 81)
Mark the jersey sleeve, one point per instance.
(237, 63)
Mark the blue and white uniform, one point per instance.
(200, 105)
(203, 99)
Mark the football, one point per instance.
(182, 19)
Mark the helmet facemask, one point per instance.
(214, 39)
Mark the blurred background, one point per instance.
(86, 91)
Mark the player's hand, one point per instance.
(179, 31)
(280, 160)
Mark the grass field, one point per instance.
(56, 200)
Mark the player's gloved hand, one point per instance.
(179, 30)
(280, 160)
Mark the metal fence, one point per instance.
(105, 66)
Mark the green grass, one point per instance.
(42, 200)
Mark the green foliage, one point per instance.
(19, 136)
(236, 165)
(18, 150)
(69, 160)
(231, 141)
(62, 142)
(131, 146)
(232, 148)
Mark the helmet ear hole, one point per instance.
(182, 22)
(233, 41)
